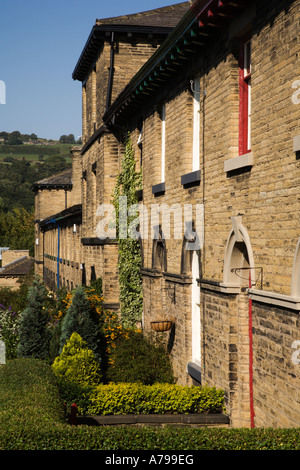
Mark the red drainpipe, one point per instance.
(252, 414)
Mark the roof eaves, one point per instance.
(197, 24)
(98, 36)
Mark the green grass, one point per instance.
(19, 151)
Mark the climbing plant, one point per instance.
(129, 264)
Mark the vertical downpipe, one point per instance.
(252, 414)
(58, 243)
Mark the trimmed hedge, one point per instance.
(28, 394)
(126, 398)
(32, 418)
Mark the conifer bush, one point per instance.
(77, 363)
(77, 372)
(34, 334)
(81, 319)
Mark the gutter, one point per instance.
(56, 222)
(111, 72)
(202, 20)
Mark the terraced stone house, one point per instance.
(214, 117)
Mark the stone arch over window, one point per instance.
(187, 251)
(295, 290)
(239, 261)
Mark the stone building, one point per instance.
(68, 252)
(16, 265)
(214, 117)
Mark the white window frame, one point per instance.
(163, 142)
(196, 125)
(196, 316)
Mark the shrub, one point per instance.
(9, 330)
(34, 335)
(137, 358)
(77, 364)
(32, 418)
(159, 398)
(29, 395)
(81, 319)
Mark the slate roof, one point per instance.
(188, 39)
(19, 267)
(61, 180)
(158, 22)
(166, 17)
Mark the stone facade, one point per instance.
(246, 314)
(67, 256)
(231, 285)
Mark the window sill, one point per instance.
(296, 143)
(239, 163)
(158, 189)
(191, 179)
(194, 371)
(272, 298)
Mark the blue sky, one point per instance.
(40, 43)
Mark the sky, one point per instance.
(40, 44)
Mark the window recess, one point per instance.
(245, 98)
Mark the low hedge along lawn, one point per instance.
(32, 418)
(135, 398)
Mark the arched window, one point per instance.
(159, 253)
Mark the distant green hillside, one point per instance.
(34, 152)
(17, 176)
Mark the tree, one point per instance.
(17, 229)
(34, 335)
(15, 138)
(67, 139)
(81, 319)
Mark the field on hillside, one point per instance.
(34, 153)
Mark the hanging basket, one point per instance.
(161, 325)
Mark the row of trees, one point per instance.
(16, 138)
(69, 139)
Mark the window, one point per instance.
(196, 318)
(163, 142)
(196, 124)
(245, 98)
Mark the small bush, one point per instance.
(137, 358)
(77, 364)
(159, 398)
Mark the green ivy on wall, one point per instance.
(129, 262)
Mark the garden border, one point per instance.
(201, 419)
